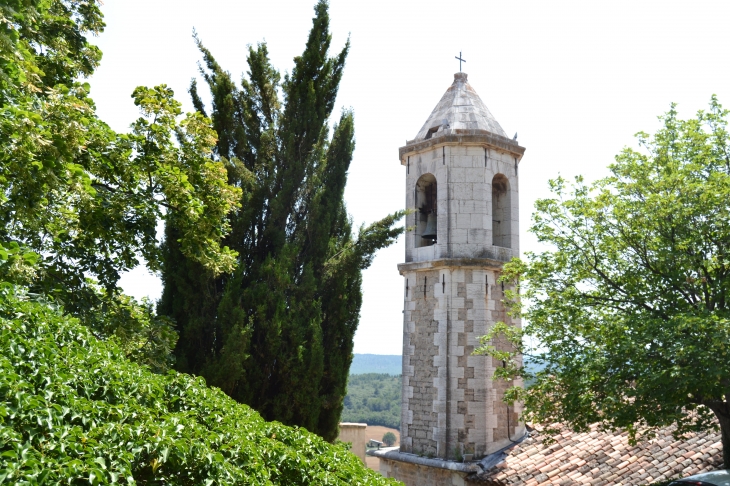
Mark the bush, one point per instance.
(389, 438)
(73, 409)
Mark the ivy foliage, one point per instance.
(630, 303)
(74, 410)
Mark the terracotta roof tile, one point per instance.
(601, 458)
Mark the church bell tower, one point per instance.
(462, 185)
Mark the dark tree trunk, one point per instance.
(722, 412)
(725, 432)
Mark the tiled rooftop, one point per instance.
(601, 458)
(460, 108)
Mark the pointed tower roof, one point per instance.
(460, 108)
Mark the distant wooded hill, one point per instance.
(373, 399)
(373, 389)
(390, 364)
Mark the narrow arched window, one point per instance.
(501, 212)
(426, 204)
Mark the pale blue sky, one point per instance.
(575, 79)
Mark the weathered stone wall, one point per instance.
(355, 434)
(464, 174)
(450, 403)
(505, 428)
(419, 420)
(418, 475)
(470, 289)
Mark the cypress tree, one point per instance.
(277, 332)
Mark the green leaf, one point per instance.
(627, 303)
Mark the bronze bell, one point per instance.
(430, 231)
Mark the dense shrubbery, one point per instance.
(73, 408)
(80, 204)
(374, 399)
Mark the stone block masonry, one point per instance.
(477, 217)
(354, 434)
(450, 403)
(462, 187)
(420, 475)
(422, 340)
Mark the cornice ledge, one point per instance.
(461, 136)
(395, 455)
(451, 262)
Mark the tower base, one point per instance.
(413, 470)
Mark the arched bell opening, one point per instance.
(426, 212)
(501, 212)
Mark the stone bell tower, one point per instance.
(462, 183)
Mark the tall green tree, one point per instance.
(88, 199)
(630, 304)
(277, 332)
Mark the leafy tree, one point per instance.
(277, 332)
(389, 438)
(631, 302)
(87, 199)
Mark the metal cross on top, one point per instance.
(460, 60)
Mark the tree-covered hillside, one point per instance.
(391, 364)
(374, 399)
(74, 410)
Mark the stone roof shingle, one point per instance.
(462, 109)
